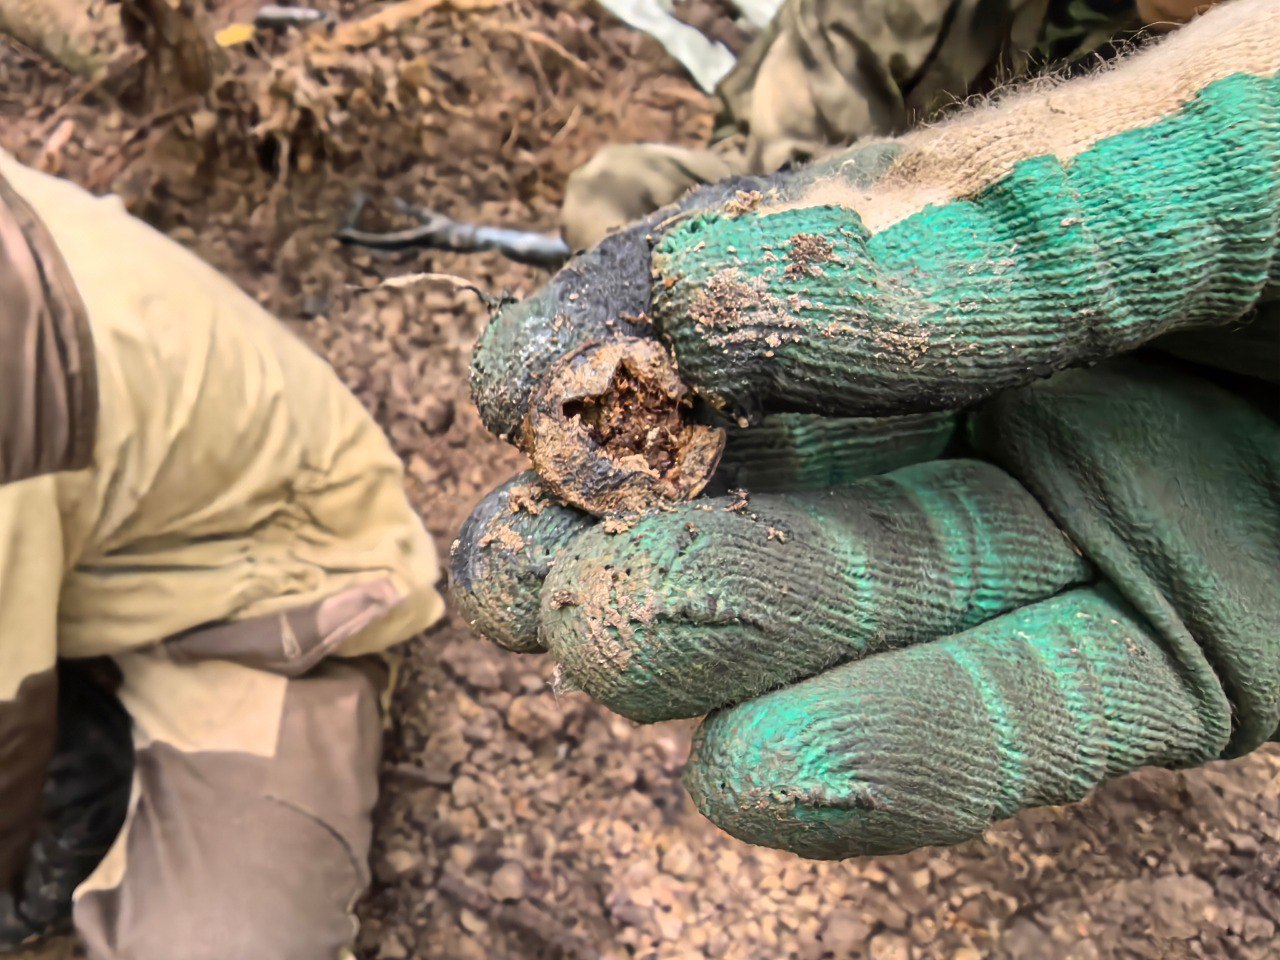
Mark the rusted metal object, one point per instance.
(608, 430)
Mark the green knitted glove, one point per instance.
(986, 665)
(903, 630)
(1164, 228)
(1171, 486)
(1053, 229)
(513, 537)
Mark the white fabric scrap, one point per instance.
(758, 13)
(706, 60)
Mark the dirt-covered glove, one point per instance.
(898, 660)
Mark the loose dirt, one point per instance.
(607, 430)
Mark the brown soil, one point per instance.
(808, 251)
(631, 419)
(514, 823)
(607, 430)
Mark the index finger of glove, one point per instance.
(602, 294)
(1050, 229)
(606, 293)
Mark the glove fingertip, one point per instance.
(502, 556)
(846, 764)
(929, 744)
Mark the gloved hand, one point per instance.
(910, 626)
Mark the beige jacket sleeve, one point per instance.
(31, 558)
(48, 417)
(234, 477)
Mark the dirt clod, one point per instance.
(744, 201)
(509, 882)
(806, 254)
(608, 430)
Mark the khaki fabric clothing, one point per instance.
(233, 475)
(826, 73)
(243, 839)
(624, 182)
(238, 504)
(48, 419)
(50, 412)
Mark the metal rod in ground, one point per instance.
(275, 15)
(439, 232)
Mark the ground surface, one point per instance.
(515, 824)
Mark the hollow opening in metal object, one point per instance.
(608, 433)
(633, 418)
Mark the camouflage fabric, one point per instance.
(1074, 29)
(826, 73)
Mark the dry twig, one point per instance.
(371, 29)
